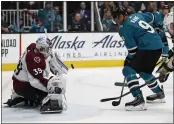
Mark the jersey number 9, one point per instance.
(146, 26)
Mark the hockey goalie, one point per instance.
(32, 84)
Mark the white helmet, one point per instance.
(168, 23)
(43, 45)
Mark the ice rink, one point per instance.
(85, 88)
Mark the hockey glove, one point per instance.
(165, 70)
(164, 73)
(127, 61)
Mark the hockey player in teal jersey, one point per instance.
(155, 19)
(144, 47)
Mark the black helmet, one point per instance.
(166, 7)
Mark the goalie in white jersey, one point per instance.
(31, 81)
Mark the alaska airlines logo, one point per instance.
(109, 42)
(59, 43)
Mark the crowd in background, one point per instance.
(50, 15)
(108, 10)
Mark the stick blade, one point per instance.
(120, 84)
(115, 103)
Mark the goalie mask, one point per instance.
(44, 45)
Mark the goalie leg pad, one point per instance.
(52, 104)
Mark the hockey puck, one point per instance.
(72, 66)
(115, 103)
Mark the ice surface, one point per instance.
(85, 88)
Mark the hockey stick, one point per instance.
(114, 98)
(120, 83)
(45, 30)
(116, 103)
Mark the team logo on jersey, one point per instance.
(37, 59)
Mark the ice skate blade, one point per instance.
(51, 112)
(156, 101)
(140, 107)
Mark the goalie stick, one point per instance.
(72, 66)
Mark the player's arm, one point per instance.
(35, 66)
(130, 44)
(148, 17)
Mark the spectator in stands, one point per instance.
(47, 15)
(137, 5)
(77, 24)
(125, 5)
(84, 14)
(160, 5)
(38, 27)
(106, 6)
(14, 27)
(58, 26)
(130, 10)
(114, 26)
(114, 7)
(58, 17)
(4, 25)
(107, 20)
(149, 7)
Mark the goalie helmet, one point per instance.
(44, 45)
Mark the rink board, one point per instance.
(77, 64)
(83, 50)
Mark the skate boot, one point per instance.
(13, 102)
(51, 106)
(156, 98)
(138, 104)
(15, 99)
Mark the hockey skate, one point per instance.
(15, 99)
(156, 98)
(138, 104)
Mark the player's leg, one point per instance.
(139, 63)
(132, 81)
(24, 92)
(146, 74)
(28, 92)
(158, 95)
(136, 65)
